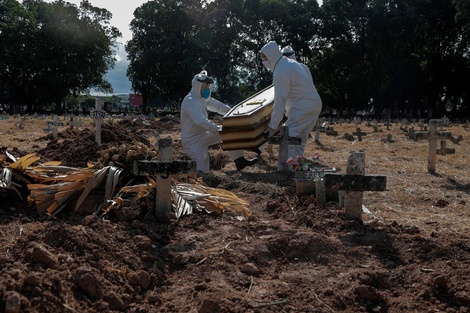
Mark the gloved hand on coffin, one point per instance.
(269, 132)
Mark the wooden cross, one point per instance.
(359, 134)
(354, 183)
(388, 139)
(97, 114)
(75, 122)
(283, 140)
(163, 168)
(331, 132)
(317, 131)
(54, 124)
(432, 135)
(443, 150)
(388, 125)
(456, 140)
(20, 123)
(317, 178)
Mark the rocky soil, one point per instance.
(410, 252)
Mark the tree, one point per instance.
(17, 67)
(164, 53)
(55, 49)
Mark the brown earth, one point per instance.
(411, 253)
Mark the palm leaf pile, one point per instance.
(53, 188)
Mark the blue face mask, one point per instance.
(206, 93)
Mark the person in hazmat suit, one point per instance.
(288, 52)
(295, 96)
(197, 131)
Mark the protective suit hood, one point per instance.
(272, 52)
(197, 82)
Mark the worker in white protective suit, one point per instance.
(197, 131)
(295, 96)
(288, 52)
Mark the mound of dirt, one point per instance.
(410, 253)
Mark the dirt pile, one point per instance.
(411, 253)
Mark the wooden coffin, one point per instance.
(244, 125)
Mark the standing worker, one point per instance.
(197, 131)
(295, 96)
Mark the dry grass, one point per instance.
(415, 197)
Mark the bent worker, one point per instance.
(295, 96)
(197, 131)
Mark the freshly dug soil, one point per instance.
(410, 253)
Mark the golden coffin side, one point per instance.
(244, 125)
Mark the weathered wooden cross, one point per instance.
(353, 184)
(283, 140)
(317, 177)
(54, 124)
(163, 168)
(388, 139)
(317, 131)
(75, 122)
(98, 115)
(443, 150)
(376, 128)
(433, 135)
(359, 134)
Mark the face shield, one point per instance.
(207, 83)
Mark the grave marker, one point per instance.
(411, 133)
(388, 139)
(433, 135)
(97, 114)
(163, 168)
(317, 131)
(54, 124)
(354, 183)
(306, 179)
(359, 134)
(283, 140)
(376, 129)
(75, 122)
(443, 150)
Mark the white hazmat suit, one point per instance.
(198, 132)
(295, 96)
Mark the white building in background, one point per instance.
(124, 99)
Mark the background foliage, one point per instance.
(386, 57)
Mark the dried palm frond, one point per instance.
(24, 162)
(51, 199)
(6, 182)
(94, 182)
(10, 156)
(210, 199)
(5, 178)
(185, 199)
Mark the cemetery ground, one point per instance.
(410, 252)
